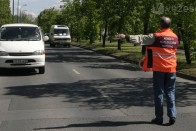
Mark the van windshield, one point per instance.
(19, 34)
(61, 32)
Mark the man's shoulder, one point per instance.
(165, 32)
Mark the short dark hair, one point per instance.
(165, 22)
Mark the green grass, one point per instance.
(132, 53)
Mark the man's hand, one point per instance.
(130, 38)
(120, 36)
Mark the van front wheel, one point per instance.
(41, 70)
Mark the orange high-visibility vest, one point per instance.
(161, 55)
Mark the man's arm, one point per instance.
(142, 39)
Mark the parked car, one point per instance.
(22, 46)
(59, 35)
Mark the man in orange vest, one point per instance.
(160, 58)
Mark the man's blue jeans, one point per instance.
(164, 83)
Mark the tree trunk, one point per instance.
(146, 22)
(186, 45)
(91, 39)
(100, 35)
(119, 44)
(187, 51)
(105, 33)
(119, 31)
(103, 45)
(78, 38)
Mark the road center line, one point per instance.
(74, 70)
(102, 93)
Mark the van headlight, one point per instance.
(39, 52)
(3, 53)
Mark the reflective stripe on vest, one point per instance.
(161, 55)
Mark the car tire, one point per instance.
(41, 70)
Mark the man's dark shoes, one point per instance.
(157, 121)
(172, 120)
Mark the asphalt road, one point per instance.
(85, 91)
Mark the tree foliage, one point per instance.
(90, 14)
(5, 12)
(47, 18)
(74, 19)
(88, 18)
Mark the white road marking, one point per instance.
(74, 70)
(102, 93)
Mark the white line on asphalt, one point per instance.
(102, 93)
(74, 70)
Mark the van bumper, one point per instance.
(22, 62)
(61, 43)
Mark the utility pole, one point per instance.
(21, 12)
(13, 11)
(18, 12)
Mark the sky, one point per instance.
(34, 7)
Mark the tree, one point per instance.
(72, 15)
(27, 18)
(5, 12)
(91, 19)
(105, 13)
(179, 10)
(125, 16)
(122, 9)
(47, 18)
(187, 30)
(146, 11)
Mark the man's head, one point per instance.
(165, 22)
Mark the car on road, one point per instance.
(22, 46)
(59, 35)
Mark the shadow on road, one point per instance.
(84, 56)
(98, 124)
(18, 72)
(105, 94)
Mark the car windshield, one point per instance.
(61, 31)
(19, 34)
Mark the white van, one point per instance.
(59, 35)
(22, 46)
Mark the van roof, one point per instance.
(19, 24)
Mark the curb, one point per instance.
(185, 76)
